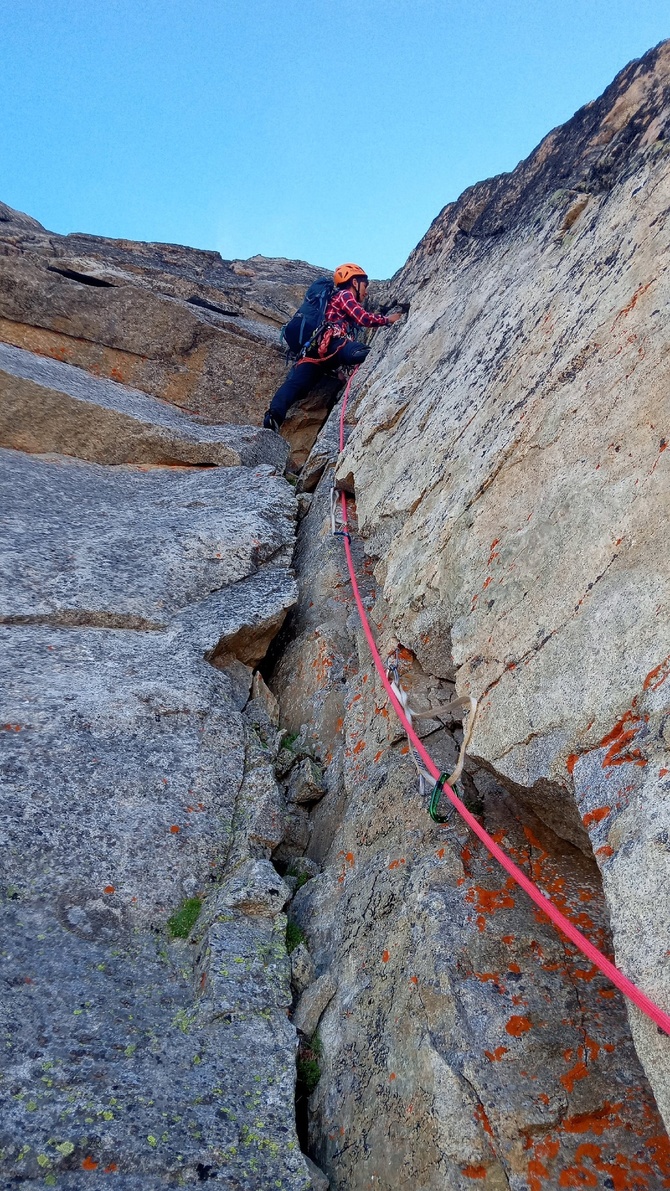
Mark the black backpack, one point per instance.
(300, 331)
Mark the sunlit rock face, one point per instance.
(507, 448)
(175, 322)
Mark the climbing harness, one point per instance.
(442, 785)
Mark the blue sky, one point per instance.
(325, 130)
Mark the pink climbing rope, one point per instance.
(559, 920)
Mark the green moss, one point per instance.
(182, 922)
(294, 936)
(301, 878)
(309, 1068)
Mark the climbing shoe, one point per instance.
(271, 423)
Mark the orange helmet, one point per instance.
(345, 273)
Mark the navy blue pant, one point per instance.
(304, 375)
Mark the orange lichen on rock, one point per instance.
(607, 1117)
(488, 901)
(586, 974)
(518, 1025)
(347, 863)
(656, 677)
(480, 1115)
(596, 816)
(543, 1151)
(622, 734)
(577, 1176)
(625, 311)
(494, 1056)
(576, 1072)
(322, 664)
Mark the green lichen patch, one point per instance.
(184, 919)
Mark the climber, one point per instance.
(333, 346)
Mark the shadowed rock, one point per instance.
(123, 756)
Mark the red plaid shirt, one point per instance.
(343, 313)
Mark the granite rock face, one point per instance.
(132, 548)
(140, 1039)
(462, 1039)
(507, 449)
(175, 322)
(147, 539)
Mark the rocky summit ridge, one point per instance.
(215, 853)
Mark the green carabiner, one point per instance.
(435, 800)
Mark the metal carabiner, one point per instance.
(333, 507)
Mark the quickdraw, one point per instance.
(467, 704)
(337, 533)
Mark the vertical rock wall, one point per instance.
(508, 453)
(466, 1040)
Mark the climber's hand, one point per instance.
(393, 318)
